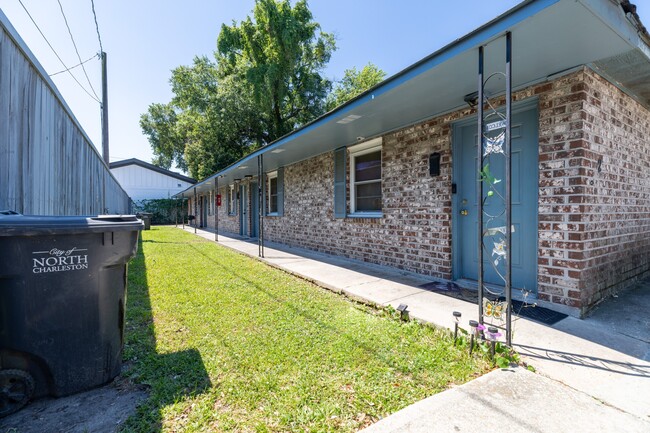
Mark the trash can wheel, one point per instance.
(16, 388)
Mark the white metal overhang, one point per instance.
(549, 37)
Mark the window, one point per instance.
(365, 178)
(231, 200)
(272, 193)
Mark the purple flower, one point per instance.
(493, 335)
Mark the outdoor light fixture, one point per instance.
(403, 313)
(474, 325)
(248, 176)
(242, 167)
(471, 99)
(237, 180)
(278, 150)
(457, 316)
(434, 164)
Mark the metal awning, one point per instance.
(549, 37)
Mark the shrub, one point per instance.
(162, 210)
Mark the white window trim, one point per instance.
(369, 146)
(232, 201)
(269, 176)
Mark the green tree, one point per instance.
(220, 122)
(210, 122)
(265, 80)
(280, 54)
(354, 83)
(159, 124)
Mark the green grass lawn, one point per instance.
(227, 343)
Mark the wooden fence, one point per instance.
(48, 165)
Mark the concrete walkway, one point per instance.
(594, 374)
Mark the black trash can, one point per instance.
(146, 219)
(62, 303)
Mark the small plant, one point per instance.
(505, 356)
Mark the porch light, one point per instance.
(403, 312)
(248, 176)
(242, 167)
(278, 150)
(471, 99)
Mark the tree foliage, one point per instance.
(210, 122)
(163, 210)
(159, 124)
(265, 80)
(353, 84)
(279, 55)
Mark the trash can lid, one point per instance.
(28, 225)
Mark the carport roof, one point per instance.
(549, 37)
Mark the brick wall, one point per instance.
(594, 227)
(616, 218)
(561, 177)
(227, 223)
(414, 233)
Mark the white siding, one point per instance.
(141, 183)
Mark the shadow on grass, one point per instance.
(171, 377)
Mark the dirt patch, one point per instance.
(101, 410)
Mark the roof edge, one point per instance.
(368, 94)
(149, 166)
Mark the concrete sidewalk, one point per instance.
(601, 361)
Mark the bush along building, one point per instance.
(391, 177)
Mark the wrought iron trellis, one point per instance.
(495, 223)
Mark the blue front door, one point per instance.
(524, 205)
(255, 214)
(243, 210)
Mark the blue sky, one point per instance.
(146, 39)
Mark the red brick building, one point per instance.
(389, 177)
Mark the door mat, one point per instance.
(521, 309)
(536, 313)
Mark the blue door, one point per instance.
(204, 210)
(524, 205)
(255, 214)
(243, 210)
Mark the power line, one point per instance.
(55, 53)
(92, 3)
(65, 19)
(96, 56)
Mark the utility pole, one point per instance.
(104, 111)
